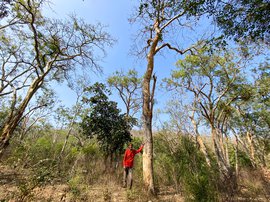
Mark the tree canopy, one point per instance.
(104, 121)
(242, 18)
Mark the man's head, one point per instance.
(130, 145)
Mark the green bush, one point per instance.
(91, 149)
(179, 163)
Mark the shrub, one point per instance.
(179, 162)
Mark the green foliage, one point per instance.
(254, 111)
(90, 150)
(242, 18)
(41, 149)
(213, 80)
(104, 121)
(180, 163)
(152, 9)
(243, 159)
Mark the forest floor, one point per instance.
(15, 187)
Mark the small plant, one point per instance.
(74, 185)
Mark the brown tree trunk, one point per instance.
(148, 102)
(148, 173)
(14, 120)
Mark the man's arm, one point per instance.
(140, 149)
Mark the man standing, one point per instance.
(128, 163)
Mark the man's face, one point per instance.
(130, 146)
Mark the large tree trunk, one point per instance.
(148, 102)
(226, 170)
(148, 175)
(12, 122)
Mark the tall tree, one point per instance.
(157, 19)
(37, 50)
(104, 121)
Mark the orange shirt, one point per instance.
(129, 156)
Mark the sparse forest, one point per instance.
(209, 142)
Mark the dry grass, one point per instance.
(107, 188)
(254, 185)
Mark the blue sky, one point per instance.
(113, 14)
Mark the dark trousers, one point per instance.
(127, 180)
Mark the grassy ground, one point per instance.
(15, 185)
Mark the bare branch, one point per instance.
(172, 19)
(174, 49)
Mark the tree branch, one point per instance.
(174, 48)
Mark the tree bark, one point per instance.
(199, 140)
(203, 150)
(11, 124)
(148, 102)
(251, 148)
(148, 173)
(220, 155)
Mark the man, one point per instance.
(128, 163)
